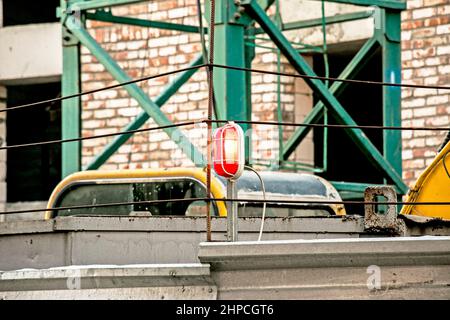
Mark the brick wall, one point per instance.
(425, 60)
(109, 111)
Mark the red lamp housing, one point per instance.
(228, 151)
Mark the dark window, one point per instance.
(33, 172)
(364, 104)
(17, 12)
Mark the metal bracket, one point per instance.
(375, 222)
(68, 38)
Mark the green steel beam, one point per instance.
(392, 4)
(139, 121)
(336, 109)
(230, 86)
(133, 89)
(99, 4)
(249, 56)
(108, 17)
(70, 108)
(391, 59)
(351, 70)
(328, 20)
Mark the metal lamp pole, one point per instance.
(232, 208)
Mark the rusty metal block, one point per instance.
(375, 222)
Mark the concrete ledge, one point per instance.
(347, 224)
(326, 252)
(383, 268)
(146, 281)
(26, 227)
(137, 240)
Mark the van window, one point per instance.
(92, 193)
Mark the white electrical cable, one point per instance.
(264, 204)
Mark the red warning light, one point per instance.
(228, 151)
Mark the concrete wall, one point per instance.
(296, 10)
(30, 53)
(136, 240)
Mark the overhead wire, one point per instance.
(187, 123)
(117, 85)
(242, 200)
(32, 144)
(354, 81)
(210, 66)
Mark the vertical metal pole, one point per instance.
(391, 52)
(249, 56)
(230, 85)
(232, 208)
(211, 101)
(70, 108)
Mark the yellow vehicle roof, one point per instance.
(217, 190)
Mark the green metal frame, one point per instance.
(329, 100)
(234, 45)
(70, 108)
(107, 16)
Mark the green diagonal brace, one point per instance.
(352, 69)
(167, 92)
(336, 109)
(144, 101)
(108, 17)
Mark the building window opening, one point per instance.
(33, 172)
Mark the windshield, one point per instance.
(94, 193)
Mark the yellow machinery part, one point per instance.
(433, 185)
